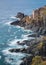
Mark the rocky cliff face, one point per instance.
(38, 16)
(36, 22)
(37, 46)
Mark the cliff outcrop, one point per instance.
(35, 22)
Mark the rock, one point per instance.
(34, 23)
(14, 50)
(20, 15)
(44, 32)
(25, 42)
(33, 35)
(42, 51)
(15, 23)
(23, 63)
(40, 30)
(23, 50)
(27, 60)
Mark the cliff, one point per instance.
(36, 21)
(37, 47)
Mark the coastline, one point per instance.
(35, 46)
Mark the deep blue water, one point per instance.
(9, 35)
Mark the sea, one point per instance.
(10, 34)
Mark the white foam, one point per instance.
(17, 26)
(7, 60)
(8, 23)
(14, 42)
(28, 30)
(19, 62)
(0, 57)
(27, 38)
(7, 52)
(13, 17)
(13, 62)
(24, 28)
(24, 36)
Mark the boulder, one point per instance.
(20, 15)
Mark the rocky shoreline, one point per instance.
(37, 46)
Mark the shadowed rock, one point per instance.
(20, 15)
(27, 60)
(33, 35)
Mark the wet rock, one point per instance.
(21, 43)
(40, 30)
(33, 35)
(27, 60)
(14, 50)
(23, 63)
(15, 23)
(23, 50)
(44, 32)
(25, 42)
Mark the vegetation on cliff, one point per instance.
(38, 60)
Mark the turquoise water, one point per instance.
(9, 35)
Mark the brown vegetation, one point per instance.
(37, 60)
